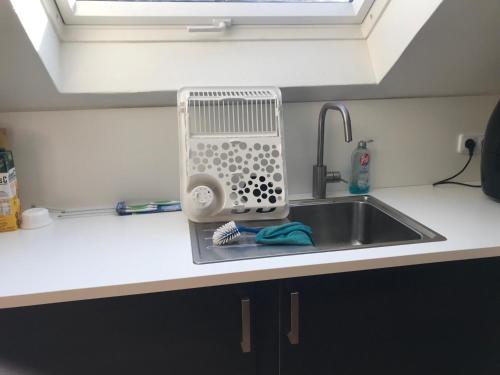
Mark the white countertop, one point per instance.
(103, 256)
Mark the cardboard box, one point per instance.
(4, 141)
(10, 207)
(10, 212)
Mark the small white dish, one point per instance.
(34, 218)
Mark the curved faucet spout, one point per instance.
(320, 174)
(321, 126)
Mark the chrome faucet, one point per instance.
(320, 175)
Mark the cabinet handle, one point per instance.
(293, 335)
(246, 326)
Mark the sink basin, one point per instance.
(351, 223)
(337, 224)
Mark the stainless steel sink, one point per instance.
(338, 224)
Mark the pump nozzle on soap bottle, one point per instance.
(360, 168)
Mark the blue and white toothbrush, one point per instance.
(230, 232)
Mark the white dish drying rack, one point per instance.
(232, 162)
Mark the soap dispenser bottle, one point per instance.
(360, 170)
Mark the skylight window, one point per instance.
(228, 1)
(213, 15)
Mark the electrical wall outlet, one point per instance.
(462, 138)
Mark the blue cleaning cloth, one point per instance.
(294, 233)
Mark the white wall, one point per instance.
(448, 57)
(399, 24)
(148, 67)
(91, 158)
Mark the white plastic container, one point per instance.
(232, 154)
(34, 218)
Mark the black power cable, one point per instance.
(470, 144)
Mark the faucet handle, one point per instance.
(363, 142)
(334, 176)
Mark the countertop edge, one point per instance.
(244, 277)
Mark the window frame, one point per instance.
(105, 13)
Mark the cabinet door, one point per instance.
(430, 319)
(199, 331)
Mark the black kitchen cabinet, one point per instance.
(190, 332)
(429, 319)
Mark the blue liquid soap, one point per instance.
(360, 172)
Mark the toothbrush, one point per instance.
(230, 232)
